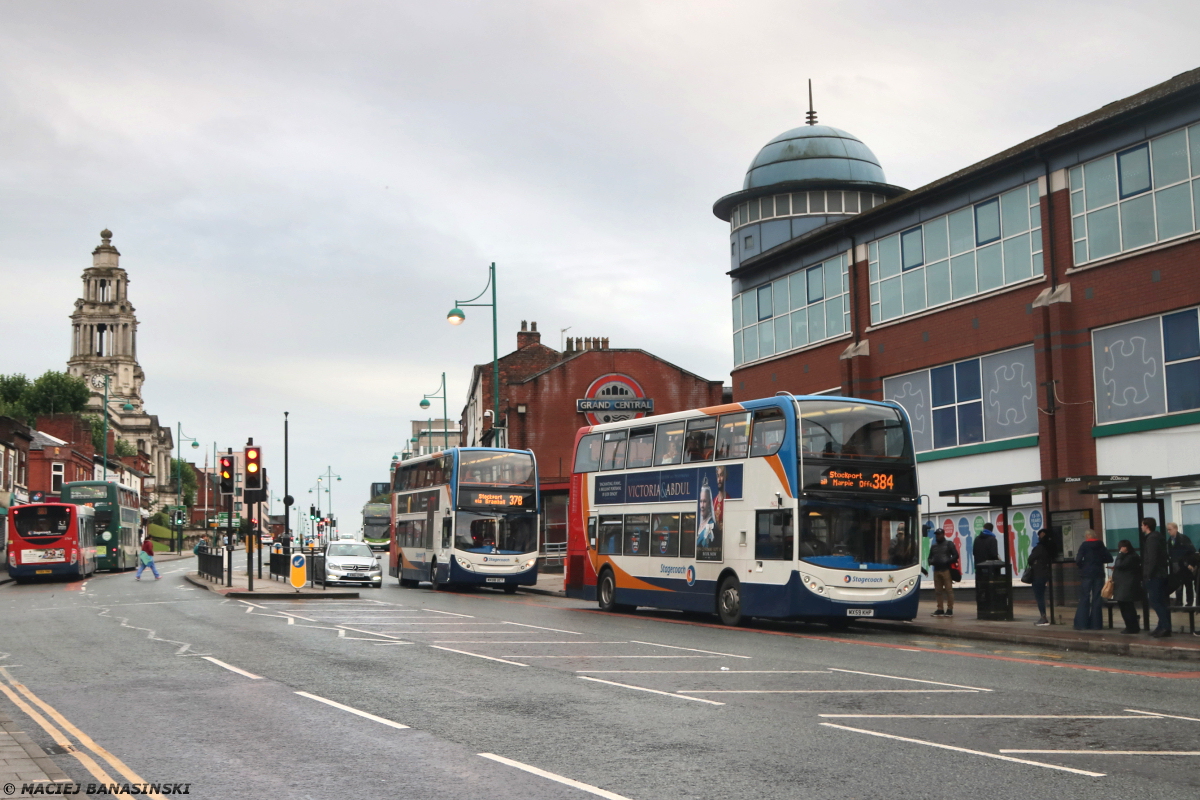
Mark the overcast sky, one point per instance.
(321, 180)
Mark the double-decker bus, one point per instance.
(377, 525)
(47, 539)
(466, 516)
(785, 507)
(118, 520)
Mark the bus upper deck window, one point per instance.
(767, 436)
(641, 448)
(613, 454)
(668, 449)
(701, 439)
(587, 457)
(733, 436)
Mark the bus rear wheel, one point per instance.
(606, 594)
(729, 601)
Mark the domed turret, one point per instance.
(813, 153)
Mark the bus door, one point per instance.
(447, 532)
(774, 536)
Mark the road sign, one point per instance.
(299, 575)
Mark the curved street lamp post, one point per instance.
(456, 317)
(445, 421)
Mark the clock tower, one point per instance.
(104, 331)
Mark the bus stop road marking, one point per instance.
(903, 678)
(477, 655)
(232, 668)
(362, 714)
(964, 750)
(584, 787)
(692, 649)
(1157, 714)
(651, 691)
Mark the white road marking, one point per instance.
(914, 680)
(447, 613)
(651, 691)
(910, 650)
(606, 656)
(692, 649)
(828, 691)
(489, 641)
(964, 750)
(232, 668)
(489, 658)
(980, 716)
(372, 633)
(540, 628)
(585, 787)
(703, 671)
(1157, 714)
(1108, 752)
(363, 714)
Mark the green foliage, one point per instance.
(187, 477)
(123, 449)
(384, 498)
(162, 537)
(12, 387)
(97, 426)
(160, 519)
(56, 393)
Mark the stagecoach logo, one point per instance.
(865, 579)
(612, 398)
(690, 575)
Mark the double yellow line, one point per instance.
(60, 734)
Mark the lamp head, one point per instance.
(456, 316)
(424, 403)
(195, 445)
(127, 407)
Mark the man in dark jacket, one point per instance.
(1091, 558)
(986, 547)
(1154, 571)
(1179, 548)
(942, 556)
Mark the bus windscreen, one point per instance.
(478, 468)
(33, 521)
(841, 430)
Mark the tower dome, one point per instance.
(814, 153)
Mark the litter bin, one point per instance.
(993, 590)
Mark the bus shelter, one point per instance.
(1067, 505)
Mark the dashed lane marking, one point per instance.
(941, 746)
(1107, 752)
(651, 691)
(477, 655)
(982, 716)
(1157, 714)
(721, 671)
(903, 678)
(692, 649)
(232, 668)
(585, 787)
(362, 714)
(828, 691)
(540, 628)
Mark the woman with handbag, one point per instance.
(1038, 565)
(1091, 558)
(1127, 584)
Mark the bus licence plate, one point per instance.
(860, 612)
(493, 580)
(44, 571)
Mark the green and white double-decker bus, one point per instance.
(118, 520)
(377, 525)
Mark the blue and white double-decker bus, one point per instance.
(785, 507)
(466, 516)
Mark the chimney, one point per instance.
(578, 343)
(604, 343)
(528, 335)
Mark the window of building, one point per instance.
(1136, 197)
(799, 204)
(966, 402)
(967, 252)
(57, 477)
(1147, 367)
(796, 310)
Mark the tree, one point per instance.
(55, 393)
(12, 393)
(187, 476)
(120, 448)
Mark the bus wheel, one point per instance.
(433, 581)
(121, 561)
(510, 589)
(606, 591)
(729, 601)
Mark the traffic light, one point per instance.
(254, 475)
(225, 474)
(312, 513)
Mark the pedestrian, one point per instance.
(1127, 584)
(1040, 559)
(986, 548)
(1179, 548)
(1091, 557)
(146, 557)
(942, 556)
(201, 546)
(1154, 571)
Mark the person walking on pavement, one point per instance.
(1154, 571)
(1127, 584)
(146, 557)
(1179, 548)
(1091, 558)
(1040, 559)
(986, 548)
(942, 556)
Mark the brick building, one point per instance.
(1034, 313)
(542, 392)
(62, 451)
(15, 439)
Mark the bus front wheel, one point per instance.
(729, 601)
(606, 594)
(433, 581)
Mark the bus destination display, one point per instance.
(884, 481)
(496, 500)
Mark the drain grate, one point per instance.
(58, 750)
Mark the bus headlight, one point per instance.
(906, 587)
(814, 584)
(529, 563)
(467, 565)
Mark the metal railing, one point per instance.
(212, 565)
(554, 549)
(280, 566)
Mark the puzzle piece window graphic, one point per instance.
(1011, 395)
(913, 400)
(1128, 372)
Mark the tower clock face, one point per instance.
(98, 381)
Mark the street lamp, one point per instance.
(179, 478)
(127, 407)
(330, 474)
(445, 421)
(456, 317)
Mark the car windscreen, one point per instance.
(342, 550)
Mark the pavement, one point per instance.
(22, 761)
